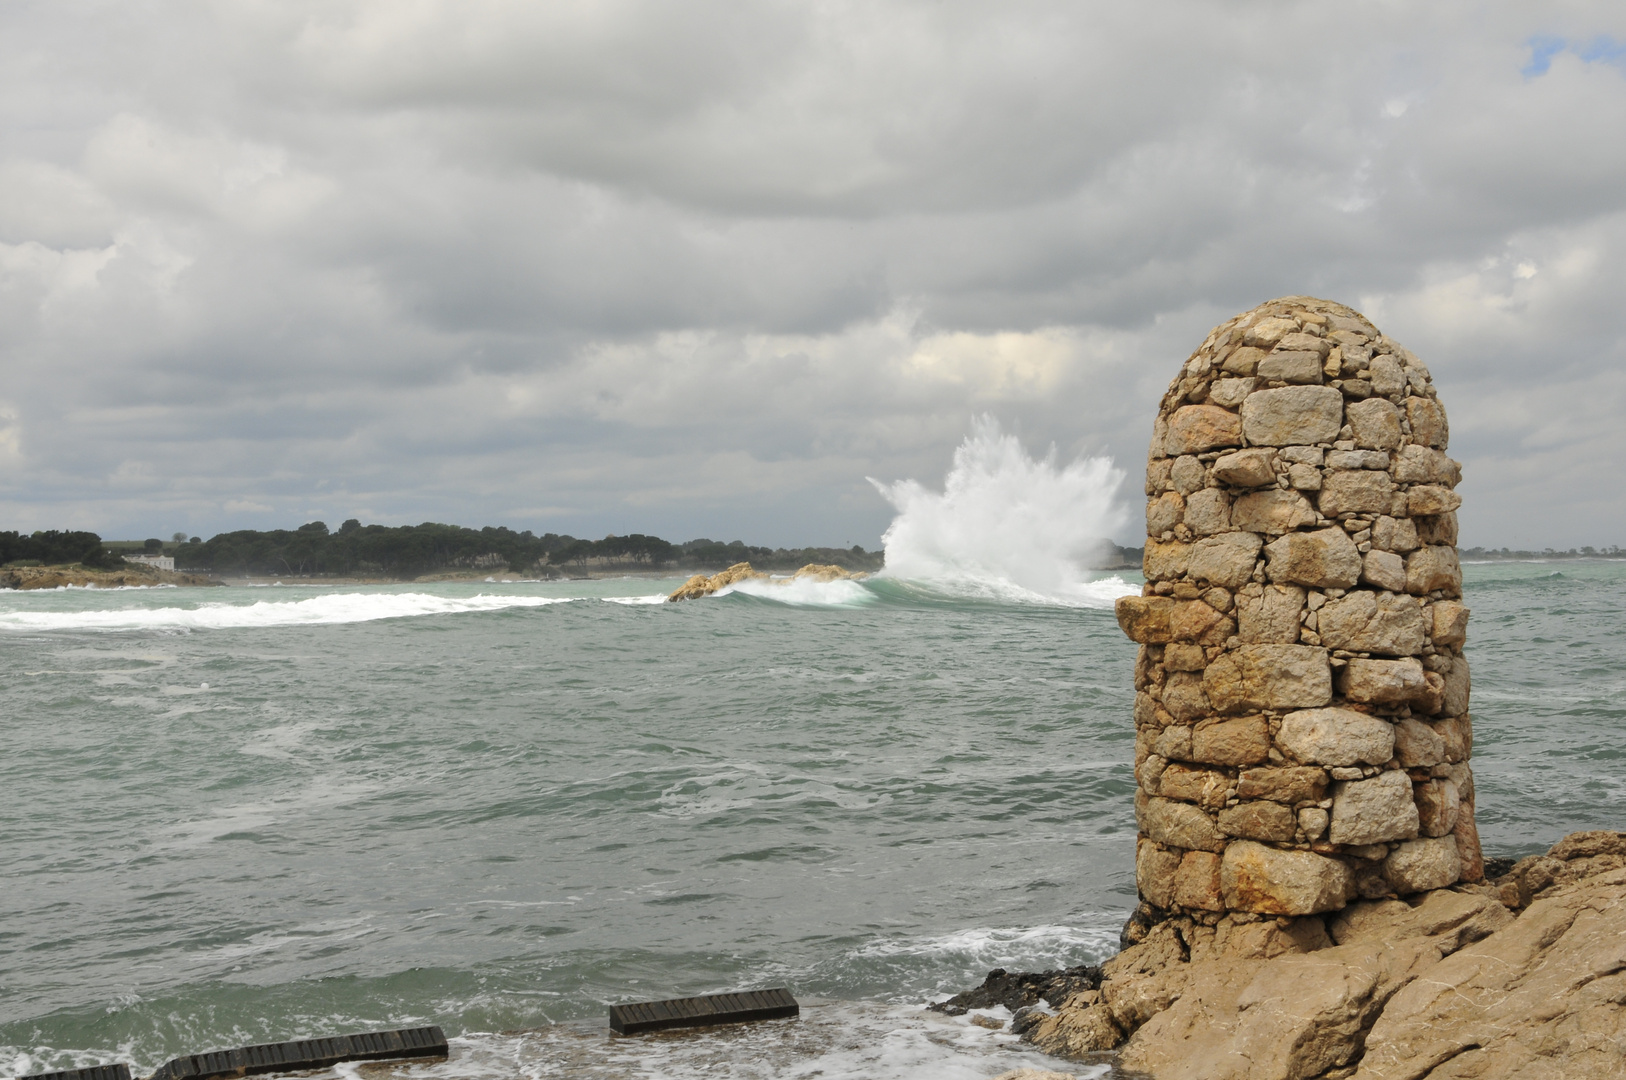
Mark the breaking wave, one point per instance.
(316, 611)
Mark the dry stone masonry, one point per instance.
(1301, 707)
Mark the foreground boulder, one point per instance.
(1522, 977)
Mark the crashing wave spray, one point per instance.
(1006, 526)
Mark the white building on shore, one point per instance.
(157, 562)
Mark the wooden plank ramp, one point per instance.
(776, 1004)
(120, 1071)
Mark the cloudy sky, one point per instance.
(700, 268)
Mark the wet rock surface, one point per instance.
(1017, 990)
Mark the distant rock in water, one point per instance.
(1018, 990)
(701, 585)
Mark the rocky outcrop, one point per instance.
(56, 577)
(1301, 709)
(700, 585)
(1523, 977)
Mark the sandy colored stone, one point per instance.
(1259, 820)
(1301, 341)
(1189, 783)
(1246, 468)
(1269, 677)
(1243, 741)
(1208, 512)
(1382, 682)
(1183, 696)
(1428, 423)
(1243, 361)
(1292, 416)
(1336, 737)
(1288, 784)
(1197, 882)
(1187, 474)
(1184, 657)
(1271, 616)
(1304, 477)
(1437, 807)
(1324, 559)
(1420, 465)
(1229, 393)
(1419, 865)
(1164, 512)
(1181, 825)
(1450, 623)
(1195, 428)
(1454, 702)
(1174, 743)
(1159, 620)
(1267, 332)
(1375, 422)
(1456, 736)
(1274, 882)
(1350, 492)
(1466, 834)
(1272, 512)
(1154, 872)
(1394, 534)
(1438, 529)
(1427, 500)
(1384, 569)
(1226, 560)
(1291, 367)
(1418, 745)
(1364, 622)
(1165, 560)
(1373, 811)
(1388, 378)
(1313, 822)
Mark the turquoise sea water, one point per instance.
(240, 815)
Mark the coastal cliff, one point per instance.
(1520, 977)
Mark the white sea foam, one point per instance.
(1014, 947)
(315, 611)
(803, 592)
(1007, 526)
(654, 598)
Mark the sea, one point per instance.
(248, 814)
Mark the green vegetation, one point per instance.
(52, 547)
(409, 551)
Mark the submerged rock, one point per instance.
(1020, 989)
(700, 585)
(1520, 977)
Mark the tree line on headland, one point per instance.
(408, 551)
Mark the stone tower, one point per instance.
(1301, 706)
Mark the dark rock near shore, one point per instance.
(1018, 990)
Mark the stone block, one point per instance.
(1336, 737)
(1173, 743)
(1373, 811)
(1291, 367)
(1288, 784)
(1205, 787)
(1197, 882)
(1349, 492)
(1181, 825)
(1426, 500)
(1454, 701)
(1292, 416)
(1164, 512)
(1182, 657)
(1183, 696)
(1323, 559)
(1388, 378)
(1208, 512)
(1375, 423)
(1420, 865)
(1418, 745)
(1228, 393)
(1304, 477)
(1439, 529)
(1313, 820)
(1271, 617)
(1421, 465)
(1188, 475)
(1450, 624)
(1266, 333)
(1159, 620)
(1428, 424)
(1456, 735)
(1146, 709)
(1154, 873)
(1358, 459)
(1366, 622)
(1226, 560)
(1157, 473)
(1302, 342)
(1466, 835)
(1382, 682)
(1243, 361)
(1394, 534)
(1195, 428)
(1384, 569)
(1269, 677)
(1165, 561)
(1242, 741)
(1263, 879)
(1437, 807)
(1246, 468)
(1259, 820)
(1433, 568)
(1272, 512)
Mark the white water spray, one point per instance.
(1007, 526)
